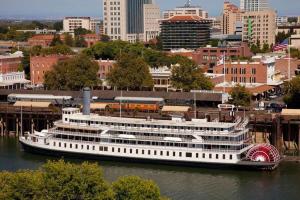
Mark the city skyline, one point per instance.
(60, 8)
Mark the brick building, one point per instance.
(39, 65)
(105, 66)
(209, 56)
(249, 72)
(281, 65)
(10, 62)
(42, 40)
(91, 39)
(10, 76)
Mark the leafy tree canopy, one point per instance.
(58, 49)
(130, 72)
(56, 41)
(187, 75)
(81, 31)
(62, 180)
(73, 74)
(292, 91)
(133, 187)
(240, 96)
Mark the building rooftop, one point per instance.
(184, 18)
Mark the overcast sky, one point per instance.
(60, 8)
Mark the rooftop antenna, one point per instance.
(188, 3)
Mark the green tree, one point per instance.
(135, 188)
(56, 41)
(63, 180)
(105, 38)
(79, 41)
(81, 31)
(240, 96)
(292, 93)
(186, 75)
(73, 74)
(58, 25)
(69, 41)
(130, 72)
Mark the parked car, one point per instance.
(275, 107)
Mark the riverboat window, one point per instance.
(54, 144)
(81, 146)
(224, 156)
(65, 145)
(87, 147)
(71, 146)
(209, 156)
(119, 150)
(136, 151)
(180, 154)
(203, 155)
(167, 153)
(161, 153)
(149, 152)
(188, 155)
(59, 144)
(113, 149)
(174, 153)
(100, 148)
(93, 147)
(76, 146)
(130, 151)
(230, 157)
(197, 155)
(124, 150)
(154, 152)
(143, 151)
(105, 148)
(217, 156)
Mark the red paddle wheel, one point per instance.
(263, 153)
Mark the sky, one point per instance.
(93, 8)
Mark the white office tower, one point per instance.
(254, 5)
(129, 19)
(187, 9)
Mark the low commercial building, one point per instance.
(209, 56)
(39, 65)
(105, 66)
(91, 39)
(263, 72)
(10, 62)
(188, 32)
(295, 41)
(10, 75)
(13, 80)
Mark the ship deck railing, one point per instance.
(233, 133)
(160, 147)
(151, 138)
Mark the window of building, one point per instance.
(180, 154)
(87, 147)
(71, 145)
(54, 143)
(203, 155)
(224, 156)
(230, 157)
(65, 145)
(161, 153)
(174, 154)
(113, 149)
(210, 156)
(188, 155)
(217, 156)
(105, 148)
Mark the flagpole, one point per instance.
(224, 60)
(289, 61)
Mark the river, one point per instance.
(181, 182)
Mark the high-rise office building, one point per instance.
(259, 27)
(254, 5)
(125, 19)
(231, 19)
(187, 32)
(187, 10)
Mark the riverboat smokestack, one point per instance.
(86, 101)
